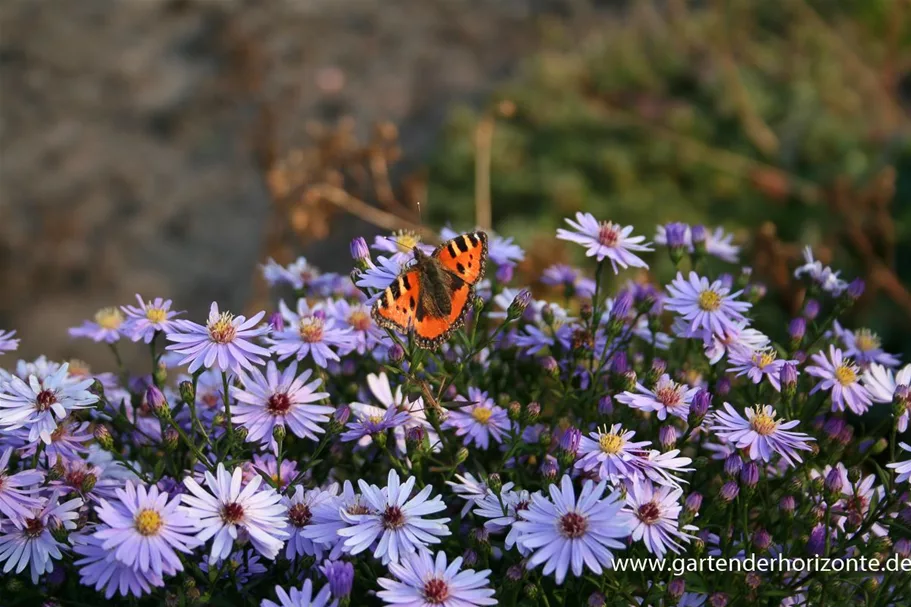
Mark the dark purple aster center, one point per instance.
(436, 591)
(393, 518)
(608, 234)
(278, 404)
(232, 513)
(649, 513)
(33, 527)
(573, 525)
(45, 399)
(299, 515)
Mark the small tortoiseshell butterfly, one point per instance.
(432, 296)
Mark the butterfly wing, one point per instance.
(431, 331)
(396, 307)
(465, 256)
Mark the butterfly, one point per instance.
(431, 297)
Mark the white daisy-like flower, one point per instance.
(705, 305)
(881, 383)
(652, 513)
(422, 580)
(606, 240)
(229, 508)
(301, 506)
(396, 520)
(667, 398)
(32, 545)
(305, 597)
(902, 468)
(610, 452)
(382, 392)
(761, 433)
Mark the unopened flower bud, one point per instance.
(787, 376)
(531, 413)
(787, 505)
(158, 403)
(854, 474)
(505, 273)
(718, 599)
(833, 427)
(816, 543)
(619, 363)
(279, 432)
(97, 388)
(88, 483)
(514, 410)
(702, 401)
(762, 539)
(461, 455)
(628, 381)
(753, 580)
(749, 475)
(667, 437)
(340, 417)
(723, 386)
(360, 253)
(901, 401)
(569, 442)
(902, 547)
(733, 465)
(675, 235)
(550, 366)
(469, 558)
(729, 492)
(698, 234)
(855, 289)
(515, 573)
(396, 353)
(656, 370)
(103, 437)
(187, 393)
(596, 599)
(693, 502)
(160, 374)
(57, 471)
(811, 309)
(170, 438)
(532, 592)
(340, 575)
(414, 438)
(586, 310)
(605, 405)
(495, 483)
(797, 329)
(846, 435)
(519, 304)
(676, 587)
(549, 468)
(547, 314)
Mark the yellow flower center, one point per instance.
(481, 414)
(866, 340)
(156, 315)
(359, 319)
(109, 318)
(148, 522)
(310, 329)
(406, 240)
(610, 443)
(764, 359)
(709, 301)
(845, 374)
(79, 368)
(221, 330)
(375, 419)
(763, 424)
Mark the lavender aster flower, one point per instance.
(422, 580)
(395, 520)
(228, 507)
(327, 519)
(67, 442)
(340, 575)
(572, 281)
(479, 421)
(761, 433)
(32, 544)
(667, 398)
(882, 385)
(606, 240)
(758, 365)
(611, 453)
(503, 510)
(99, 569)
(224, 342)
(365, 336)
(147, 319)
(16, 490)
(38, 404)
(372, 420)
(145, 530)
(302, 598)
(7, 343)
(840, 376)
(105, 327)
(380, 275)
(279, 399)
(902, 468)
(865, 347)
(470, 489)
(309, 332)
(652, 514)
(300, 514)
(708, 306)
(823, 276)
(382, 391)
(564, 532)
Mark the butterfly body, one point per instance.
(431, 297)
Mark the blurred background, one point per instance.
(169, 147)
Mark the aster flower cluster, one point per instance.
(308, 457)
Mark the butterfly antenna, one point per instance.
(420, 218)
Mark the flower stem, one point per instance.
(228, 423)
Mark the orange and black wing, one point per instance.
(465, 256)
(398, 304)
(431, 331)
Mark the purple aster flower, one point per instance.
(38, 404)
(300, 506)
(660, 467)
(823, 276)
(761, 433)
(902, 468)
(479, 421)
(759, 364)
(370, 420)
(358, 248)
(85, 478)
(422, 580)
(99, 569)
(652, 513)
(865, 347)
(279, 399)
(708, 306)
(147, 319)
(340, 575)
(300, 275)
(403, 242)
(881, 383)
(572, 281)
(563, 531)
(606, 239)
(304, 597)
(107, 326)
(856, 498)
(224, 342)
(32, 544)
(327, 519)
(16, 490)
(7, 343)
(395, 520)
(381, 273)
(674, 235)
(667, 398)
(503, 510)
(612, 453)
(267, 465)
(309, 332)
(741, 340)
(241, 565)
(366, 336)
(470, 489)
(67, 442)
(229, 507)
(382, 391)
(146, 530)
(839, 375)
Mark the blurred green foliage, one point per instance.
(735, 114)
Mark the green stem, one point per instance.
(229, 424)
